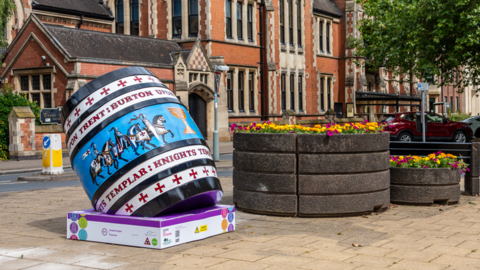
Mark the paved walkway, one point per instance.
(33, 227)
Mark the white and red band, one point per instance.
(103, 92)
(148, 169)
(112, 107)
(165, 185)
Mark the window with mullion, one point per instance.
(322, 94)
(251, 91)
(119, 23)
(282, 22)
(299, 24)
(228, 18)
(329, 92)
(284, 94)
(300, 93)
(230, 91)
(292, 92)
(134, 18)
(328, 37)
(239, 21)
(36, 82)
(320, 38)
(250, 22)
(177, 18)
(241, 92)
(290, 21)
(24, 83)
(192, 18)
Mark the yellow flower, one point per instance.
(401, 157)
(438, 162)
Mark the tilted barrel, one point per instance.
(135, 147)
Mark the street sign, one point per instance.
(422, 86)
(447, 104)
(46, 142)
(50, 116)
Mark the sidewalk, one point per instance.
(33, 224)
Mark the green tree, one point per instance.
(423, 38)
(8, 100)
(6, 11)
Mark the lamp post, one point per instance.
(216, 139)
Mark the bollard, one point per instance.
(52, 160)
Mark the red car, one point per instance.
(403, 127)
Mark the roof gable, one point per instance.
(197, 58)
(326, 7)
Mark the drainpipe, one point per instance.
(79, 25)
(261, 8)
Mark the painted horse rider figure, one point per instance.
(160, 129)
(138, 136)
(120, 144)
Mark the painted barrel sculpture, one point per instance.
(135, 147)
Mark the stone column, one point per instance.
(472, 178)
(21, 122)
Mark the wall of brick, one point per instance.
(39, 140)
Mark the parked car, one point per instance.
(474, 122)
(403, 127)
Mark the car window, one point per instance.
(409, 117)
(389, 118)
(434, 118)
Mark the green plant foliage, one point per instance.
(8, 100)
(461, 116)
(422, 37)
(6, 11)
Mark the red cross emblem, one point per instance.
(194, 174)
(138, 79)
(143, 198)
(89, 101)
(122, 83)
(77, 112)
(129, 208)
(159, 188)
(150, 78)
(69, 122)
(177, 179)
(105, 91)
(213, 171)
(205, 171)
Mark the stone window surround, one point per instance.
(326, 21)
(199, 73)
(295, 26)
(32, 72)
(184, 35)
(126, 15)
(246, 89)
(244, 39)
(296, 74)
(325, 92)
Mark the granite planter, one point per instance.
(311, 174)
(424, 186)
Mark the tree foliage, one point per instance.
(8, 100)
(7, 7)
(422, 37)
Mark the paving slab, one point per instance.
(32, 224)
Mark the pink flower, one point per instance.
(329, 133)
(328, 126)
(240, 128)
(233, 127)
(292, 131)
(254, 124)
(258, 128)
(336, 131)
(355, 127)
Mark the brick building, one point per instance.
(283, 55)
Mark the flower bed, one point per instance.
(321, 171)
(426, 180)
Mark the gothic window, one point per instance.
(250, 22)
(134, 18)
(230, 91)
(241, 92)
(38, 88)
(299, 24)
(252, 92)
(239, 20)
(177, 18)
(283, 88)
(119, 25)
(328, 37)
(192, 18)
(290, 21)
(228, 17)
(292, 92)
(282, 22)
(300, 93)
(320, 38)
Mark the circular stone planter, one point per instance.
(310, 174)
(424, 186)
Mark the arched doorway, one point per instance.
(198, 110)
